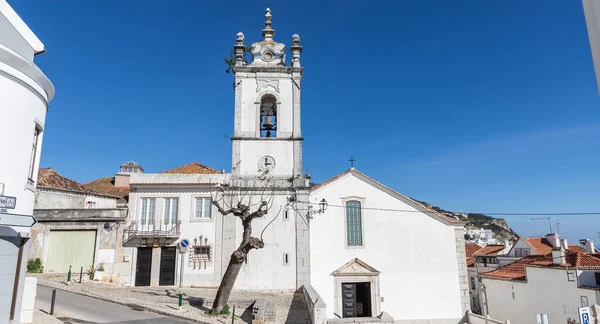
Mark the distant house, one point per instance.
(526, 246)
(543, 288)
(77, 226)
(483, 260)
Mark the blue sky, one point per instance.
(475, 106)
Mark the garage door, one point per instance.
(75, 248)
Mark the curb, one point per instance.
(146, 308)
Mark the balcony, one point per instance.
(150, 234)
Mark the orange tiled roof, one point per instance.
(471, 248)
(539, 244)
(577, 248)
(48, 178)
(192, 168)
(516, 270)
(107, 186)
(491, 249)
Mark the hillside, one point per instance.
(475, 221)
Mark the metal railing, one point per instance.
(155, 229)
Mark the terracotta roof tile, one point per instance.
(516, 270)
(539, 244)
(107, 186)
(192, 168)
(471, 248)
(470, 262)
(491, 249)
(48, 178)
(577, 248)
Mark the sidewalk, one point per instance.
(40, 317)
(290, 307)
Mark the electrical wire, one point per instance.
(490, 213)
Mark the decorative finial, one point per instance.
(239, 49)
(268, 33)
(296, 49)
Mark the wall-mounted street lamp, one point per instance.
(322, 208)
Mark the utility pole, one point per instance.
(549, 221)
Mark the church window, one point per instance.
(354, 223)
(268, 116)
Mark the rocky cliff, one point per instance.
(499, 226)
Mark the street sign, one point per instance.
(184, 243)
(17, 220)
(8, 202)
(584, 315)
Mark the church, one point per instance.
(356, 247)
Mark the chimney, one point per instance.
(127, 169)
(553, 239)
(564, 243)
(589, 246)
(558, 256)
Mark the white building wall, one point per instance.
(587, 278)
(69, 200)
(520, 244)
(415, 253)
(24, 96)
(265, 268)
(281, 151)
(547, 291)
(190, 228)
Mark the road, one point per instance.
(74, 308)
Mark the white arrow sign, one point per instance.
(17, 220)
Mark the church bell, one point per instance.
(268, 122)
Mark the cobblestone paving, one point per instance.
(291, 308)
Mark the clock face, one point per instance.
(266, 163)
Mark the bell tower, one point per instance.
(267, 134)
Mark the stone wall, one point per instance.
(315, 304)
(463, 275)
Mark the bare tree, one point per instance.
(239, 202)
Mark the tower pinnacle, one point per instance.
(268, 33)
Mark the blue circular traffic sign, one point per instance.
(184, 243)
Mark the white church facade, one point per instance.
(356, 243)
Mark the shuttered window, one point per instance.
(354, 223)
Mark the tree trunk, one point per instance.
(235, 264)
(233, 269)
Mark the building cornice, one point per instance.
(25, 73)
(241, 138)
(270, 69)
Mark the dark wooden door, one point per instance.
(348, 300)
(143, 267)
(167, 266)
